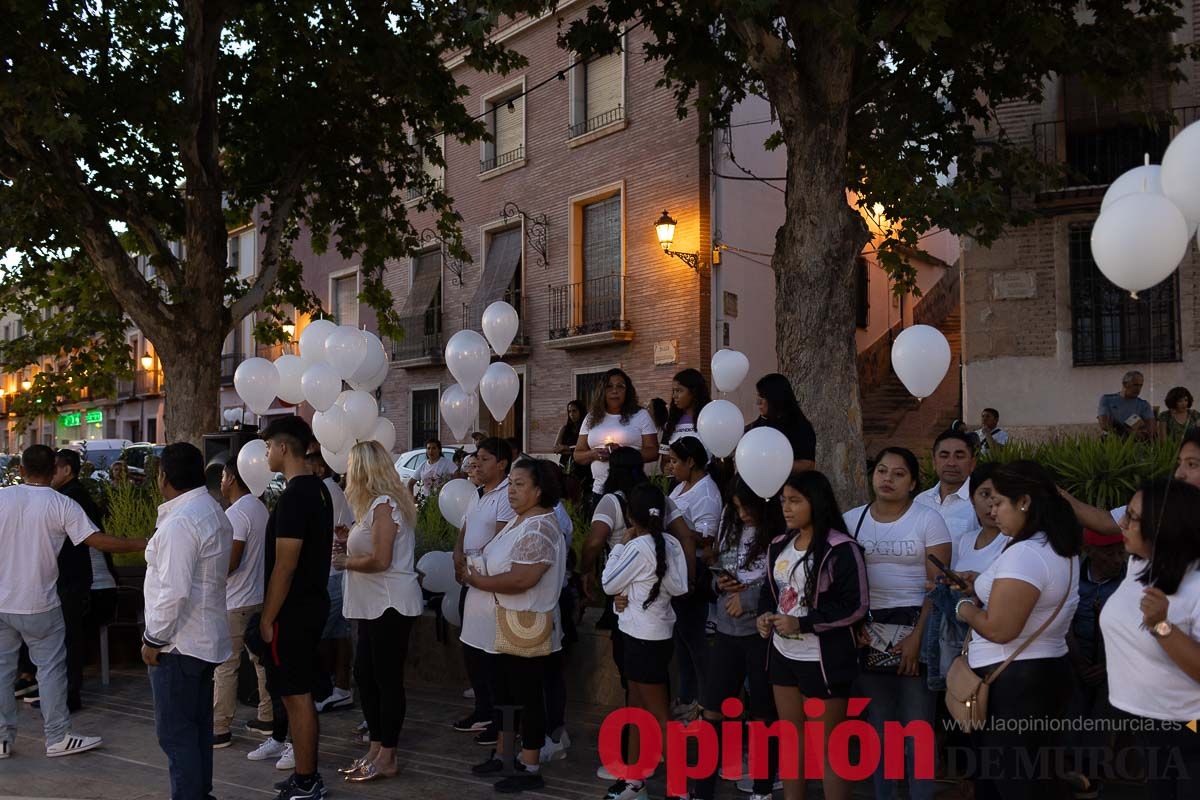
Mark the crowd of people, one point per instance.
(711, 592)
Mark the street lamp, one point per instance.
(27, 384)
(147, 362)
(289, 329)
(665, 228)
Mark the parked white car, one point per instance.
(409, 462)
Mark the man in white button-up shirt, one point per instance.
(953, 461)
(187, 629)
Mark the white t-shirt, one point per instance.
(482, 515)
(701, 506)
(956, 509)
(756, 570)
(248, 516)
(789, 576)
(966, 558)
(366, 595)
(101, 577)
(895, 553)
(34, 521)
(608, 510)
(630, 571)
(1142, 678)
(1034, 562)
(612, 431)
(685, 427)
(432, 474)
(343, 517)
(535, 540)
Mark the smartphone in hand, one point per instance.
(952, 576)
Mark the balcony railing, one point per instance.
(1094, 155)
(472, 316)
(417, 190)
(149, 381)
(125, 389)
(423, 337)
(229, 365)
(598, 121)
(504, 159)
(593, 306)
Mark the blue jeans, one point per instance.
(45, 636)
(183, 692)
(900, 699)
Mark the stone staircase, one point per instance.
(891, 416)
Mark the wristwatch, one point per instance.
(1161, 629)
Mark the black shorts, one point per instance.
(647, 660)
(294, 667)
(804, 675)
(734, 661)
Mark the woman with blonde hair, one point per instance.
(382, 596)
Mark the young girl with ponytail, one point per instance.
(646, 569)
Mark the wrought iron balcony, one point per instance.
(502, 160)
(423, 338)
(589, 307)
(148, 382)
(598, 121)
(472, 318)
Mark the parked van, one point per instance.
(100, 453)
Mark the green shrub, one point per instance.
(132, 514)
(433, 531)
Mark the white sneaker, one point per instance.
(270, 748)
(760, 797)
(746, 785)
(555, 751)
(5, 748)
(469, 694)
(340, 698)
(73, 743)
(288, 758)
(603, 774)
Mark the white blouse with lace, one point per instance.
(534, 540)
(366, 595)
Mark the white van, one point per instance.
(100, 453)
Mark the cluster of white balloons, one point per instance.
(437, 575)
(330, 356)
(1148, 216)
(469, 359)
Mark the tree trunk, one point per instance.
(814, 259)
(191, 383)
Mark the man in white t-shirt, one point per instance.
(953, 461)
(436, 470)
(991, 434)
(35, 520)
(243, 599)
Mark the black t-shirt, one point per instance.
(799, 431)
(74, 560)
(304, 511)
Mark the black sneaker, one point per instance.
(471, 723)
(520, 783)
(291, 789)
(25, 686)
(489, 767)
(260, 727)
(488, 736)
(221, 740)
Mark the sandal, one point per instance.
(368, 772)
(358, 764)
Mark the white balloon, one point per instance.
(500, 323)
(457, 411)
(764, 460)
(1147, 178)
(232, 415)
(467, 358)
(920, 357)
(720, 426)
(384, 433)
(291, 370)
(729, 368)
(374, 358)
(450, 608)
(338, 462)
(321, 386)
(374, 381)
(332, 429)
(1181, 173)
(361, 413)
(438, 568)
(1140, 240)
(256, 381)
(252, 466)
(312, 340)
(454, 499)
(345, 350)
(499, 389)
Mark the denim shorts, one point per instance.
(336, 626)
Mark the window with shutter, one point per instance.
(597, 96)
(507, 120)
(345, 300)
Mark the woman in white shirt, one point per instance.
(897, 536)
(689, 395)
(1151, 631)
(523, 568)
(649, 568)
(1033, 583)
(696, 495)
(615, 420)
(381, 593)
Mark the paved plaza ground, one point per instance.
(435, 760)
